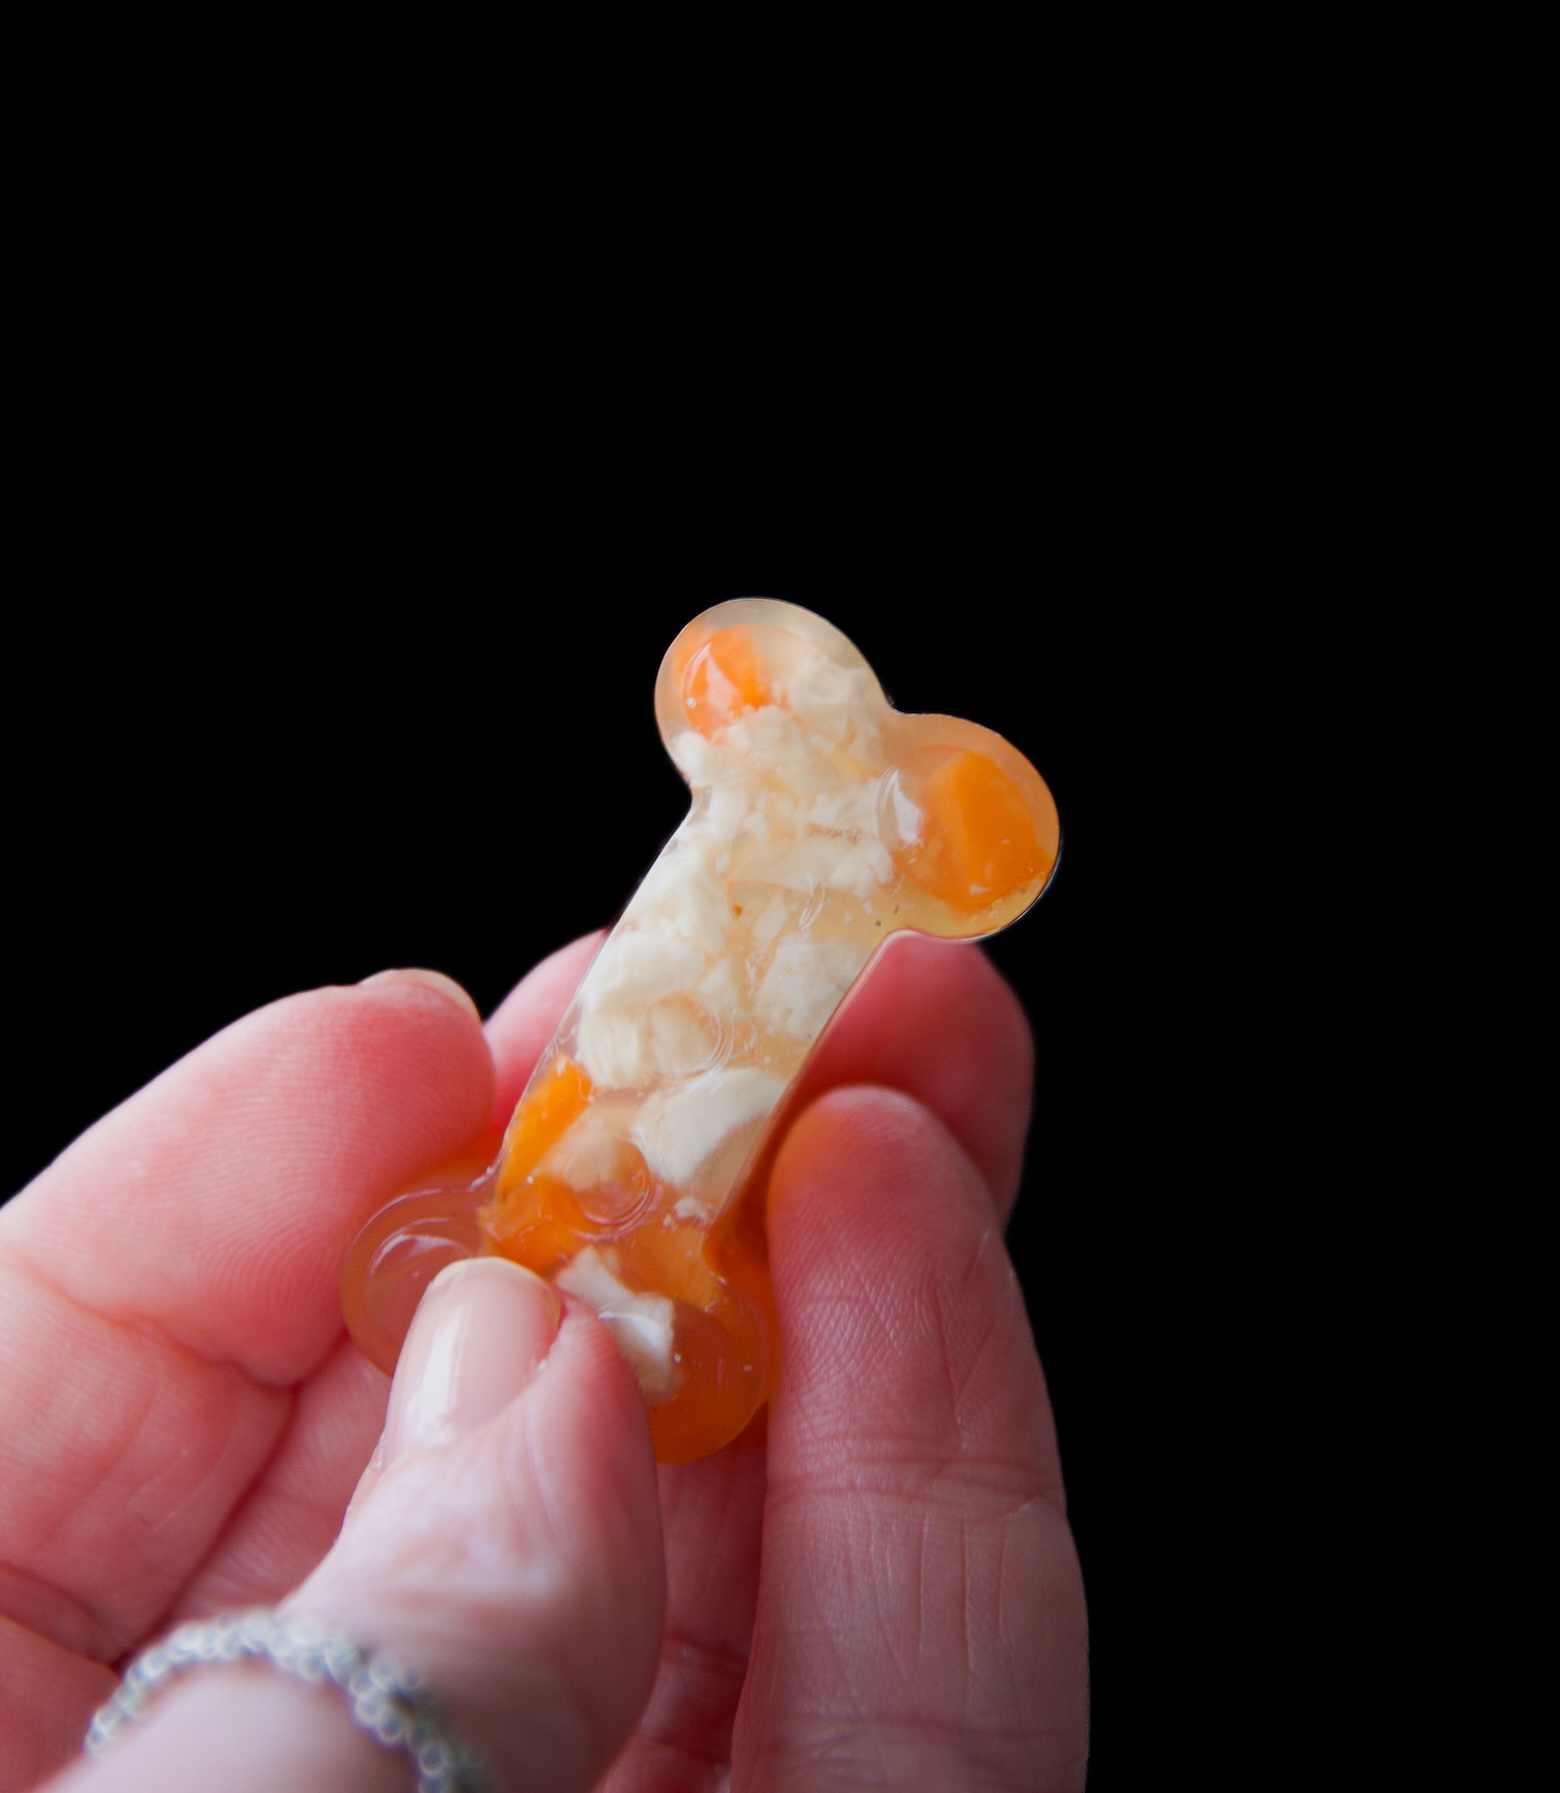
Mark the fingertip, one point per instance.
(597, 1397)
(421, 978)
(433, 1016)
(937, 1020)
(476, 1341)
(860, 1168)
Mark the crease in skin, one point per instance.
(105, 1462)
(693, 1676)
(894, 1457)
(836, 1734)
(906, 1474)
(891, 1568)
(117, 1636)
(286, 1521)
(11, 1251)
(971, 1628)
(962, 1309)
(988, 1290)
(170, 1516)
(39, 1607)
(47, 1695)
(684, 1649)
(855, 1324)
(931, 1756)
(112, 1643)
(242, 1572)
(932, 1649)
(159, 1506)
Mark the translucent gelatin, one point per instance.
(632, 1171)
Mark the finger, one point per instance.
(218, 1203)
(921, 1614)
(509, 1545)
(937, 1020)
(292, 1513)
(712, 1516)
(167, 1278)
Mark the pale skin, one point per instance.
(877, 1588)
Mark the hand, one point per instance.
(884, 1593)
(182, 1424)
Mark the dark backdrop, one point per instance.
(339, 653)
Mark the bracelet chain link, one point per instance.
(388, 1701)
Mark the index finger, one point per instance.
(170, 1277)
(218, 1202)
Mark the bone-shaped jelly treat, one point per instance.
(632, 1172)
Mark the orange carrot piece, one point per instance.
(546, 1112)
(978, 841)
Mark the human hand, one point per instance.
(883, 1592)
(182, 1260)
(182, 1422)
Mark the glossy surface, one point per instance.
(823, 821)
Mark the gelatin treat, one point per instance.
(632, 1173)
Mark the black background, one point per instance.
(333, 646)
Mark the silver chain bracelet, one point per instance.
(388, 1701)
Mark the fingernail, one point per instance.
(478, 1337)
(430, 980)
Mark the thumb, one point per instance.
(505, 1541)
